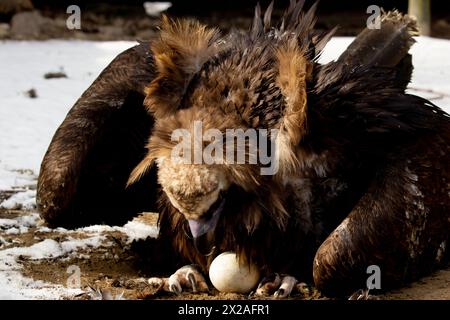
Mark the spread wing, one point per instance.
(84, 172)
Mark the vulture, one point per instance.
(362, 168)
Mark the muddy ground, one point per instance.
(119, 268)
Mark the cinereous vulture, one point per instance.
(363, 171)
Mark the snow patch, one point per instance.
(77, 244)
(29, 221)
(44, 229)
(13, 285)
(98, 229)
(21, 200)
(136, 230)
(49, 248)
(15, 230)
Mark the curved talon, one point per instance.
(187, 277)
(280, 286)
(175, 289)
(287, 285)
(361, 294)
(191, 277)
(174, 284)
(268, 285)
(280, 293)
(195, 279)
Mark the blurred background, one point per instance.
(128, 20)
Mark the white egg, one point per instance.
(227, 275)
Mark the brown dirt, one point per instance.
(118, 268)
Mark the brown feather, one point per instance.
(179, 53)
(293, 73)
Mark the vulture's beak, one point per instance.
(202, 226)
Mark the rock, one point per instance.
(27, 24)
(31, 93)
(55, 75)
(32, 25)
(4, 30)
(10, 7)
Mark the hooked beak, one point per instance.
(201, 226)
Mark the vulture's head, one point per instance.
(229, 112)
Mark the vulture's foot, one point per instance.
(362, 294)
(187, 278)
(280, 286)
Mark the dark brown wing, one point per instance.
(359, 104)
(362, 93)
(401, 224)
(84, 172)
(384, 49)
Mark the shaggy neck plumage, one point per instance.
(247, 223)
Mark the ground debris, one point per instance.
(55, 75)
(31, 93)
